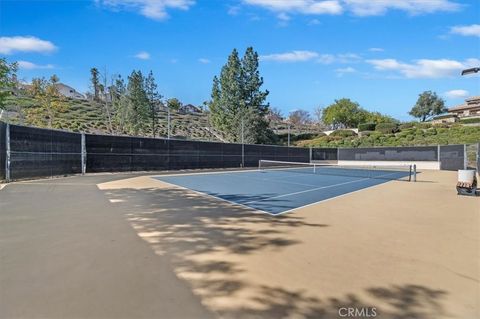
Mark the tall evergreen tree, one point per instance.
(255, 109)
(7, 79)
(119, 103)
(154, 100)
(95, 82)
(137, 115)
(237, 103)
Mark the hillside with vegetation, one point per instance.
(407, 134)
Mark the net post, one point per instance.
(414, 172)
(311, 157)
(438, 157)
(8, 153)
(465, 157)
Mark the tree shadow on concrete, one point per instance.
(193, 231)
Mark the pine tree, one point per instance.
(137, 114)
(119, 103)
(237, 101)
(256, 130)
(95, 81)
(154, 100)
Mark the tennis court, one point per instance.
(279, 187)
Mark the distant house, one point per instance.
(189, 108)
(68, 91)
(469, 109)
(445, 118)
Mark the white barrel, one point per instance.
(466, 175)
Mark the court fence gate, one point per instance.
(28, 152)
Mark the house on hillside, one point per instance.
(467, 110)
(70, 92)
(190, 109)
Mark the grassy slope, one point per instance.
(435, 135)
(91, 117)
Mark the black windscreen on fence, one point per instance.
(3, 150)
(38, 152)
(43, 153)
(414, 153)
(324, 154)
(452, 157)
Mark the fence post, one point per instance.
(83, 155)
(465, 156)
(8, 151)
(438, 157)
(311, 153)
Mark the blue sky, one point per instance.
(381, 54)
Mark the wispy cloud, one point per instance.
(456, 94)
(341, 71)
(376, 50)
(293, 56)
(424, 68)
(413, 7)
(10, 45)
(233, 10)
(204, 60)
(143, 55)
(466, 30)
(356, 7)
(25, 65)
(153, 9)
(304, 55)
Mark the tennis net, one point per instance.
(398, 172)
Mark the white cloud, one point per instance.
(466, 30)
(424, 68)
(204, 60)
(294, 56)
(340, 72)
(143, 55)
(380, 7)
(314, 22)
(356, 7)
(9, 45)
(25, 65)
(376, 50)
(153, 9)
(233, 10)
(283, 16)
(303, 55)
(299, 6)
(456, 94)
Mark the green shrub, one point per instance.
(424, 125)
(366, 127)
(387, 127)
(407, 125)
(366, 133)
(468, 121)
(343, 133)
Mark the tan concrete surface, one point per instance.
(409, 250)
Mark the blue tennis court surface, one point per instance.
(280, 191)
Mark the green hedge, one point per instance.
(386, 128)
(343, 133)
(468, 121)
(366, 127)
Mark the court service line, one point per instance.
(215, 197)
(315, 189)
(331, 198)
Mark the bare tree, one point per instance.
(299, 117)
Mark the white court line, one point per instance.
(307, 191)
(218, 198)
(285, 211)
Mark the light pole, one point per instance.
(168, 122)
(288, 141)
(470, 71)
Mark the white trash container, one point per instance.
(466, 176)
